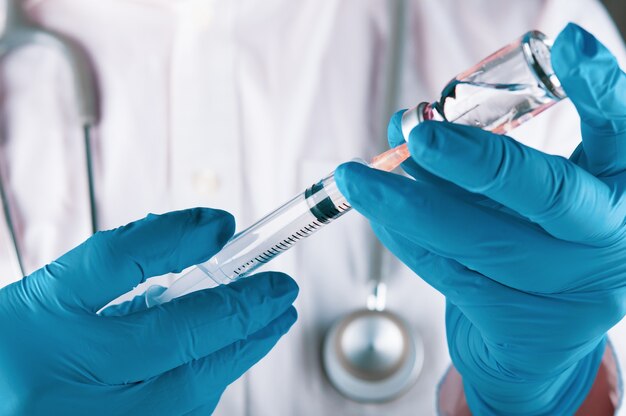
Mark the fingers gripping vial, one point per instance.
(498, 94)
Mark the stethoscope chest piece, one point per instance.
(372, 356)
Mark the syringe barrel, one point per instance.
(277, 232)
(274, 234)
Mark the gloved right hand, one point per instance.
(528, 248)
(58, 356)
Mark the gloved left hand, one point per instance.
(59, 357)
(529, 249)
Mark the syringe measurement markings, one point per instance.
(264, 258)
(243, 267)
(344, 207)
(322, 215)
(284, 245)
(324, 211)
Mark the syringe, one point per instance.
(503, 91)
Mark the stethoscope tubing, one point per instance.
(19, 31)
(93, 208)
(8, 218)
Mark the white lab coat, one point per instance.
(240, 104)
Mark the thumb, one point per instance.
(111, 263)
(593, 80)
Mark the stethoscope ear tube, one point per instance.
(10, 223)
(93, 208)
(19, 31)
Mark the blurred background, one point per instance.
(617, 8)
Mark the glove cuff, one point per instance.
(561, 395)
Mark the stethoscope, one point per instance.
(19, 31)
(373, 355)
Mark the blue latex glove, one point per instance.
(528, 248)
(58, 357)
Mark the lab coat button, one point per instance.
(205, 182)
